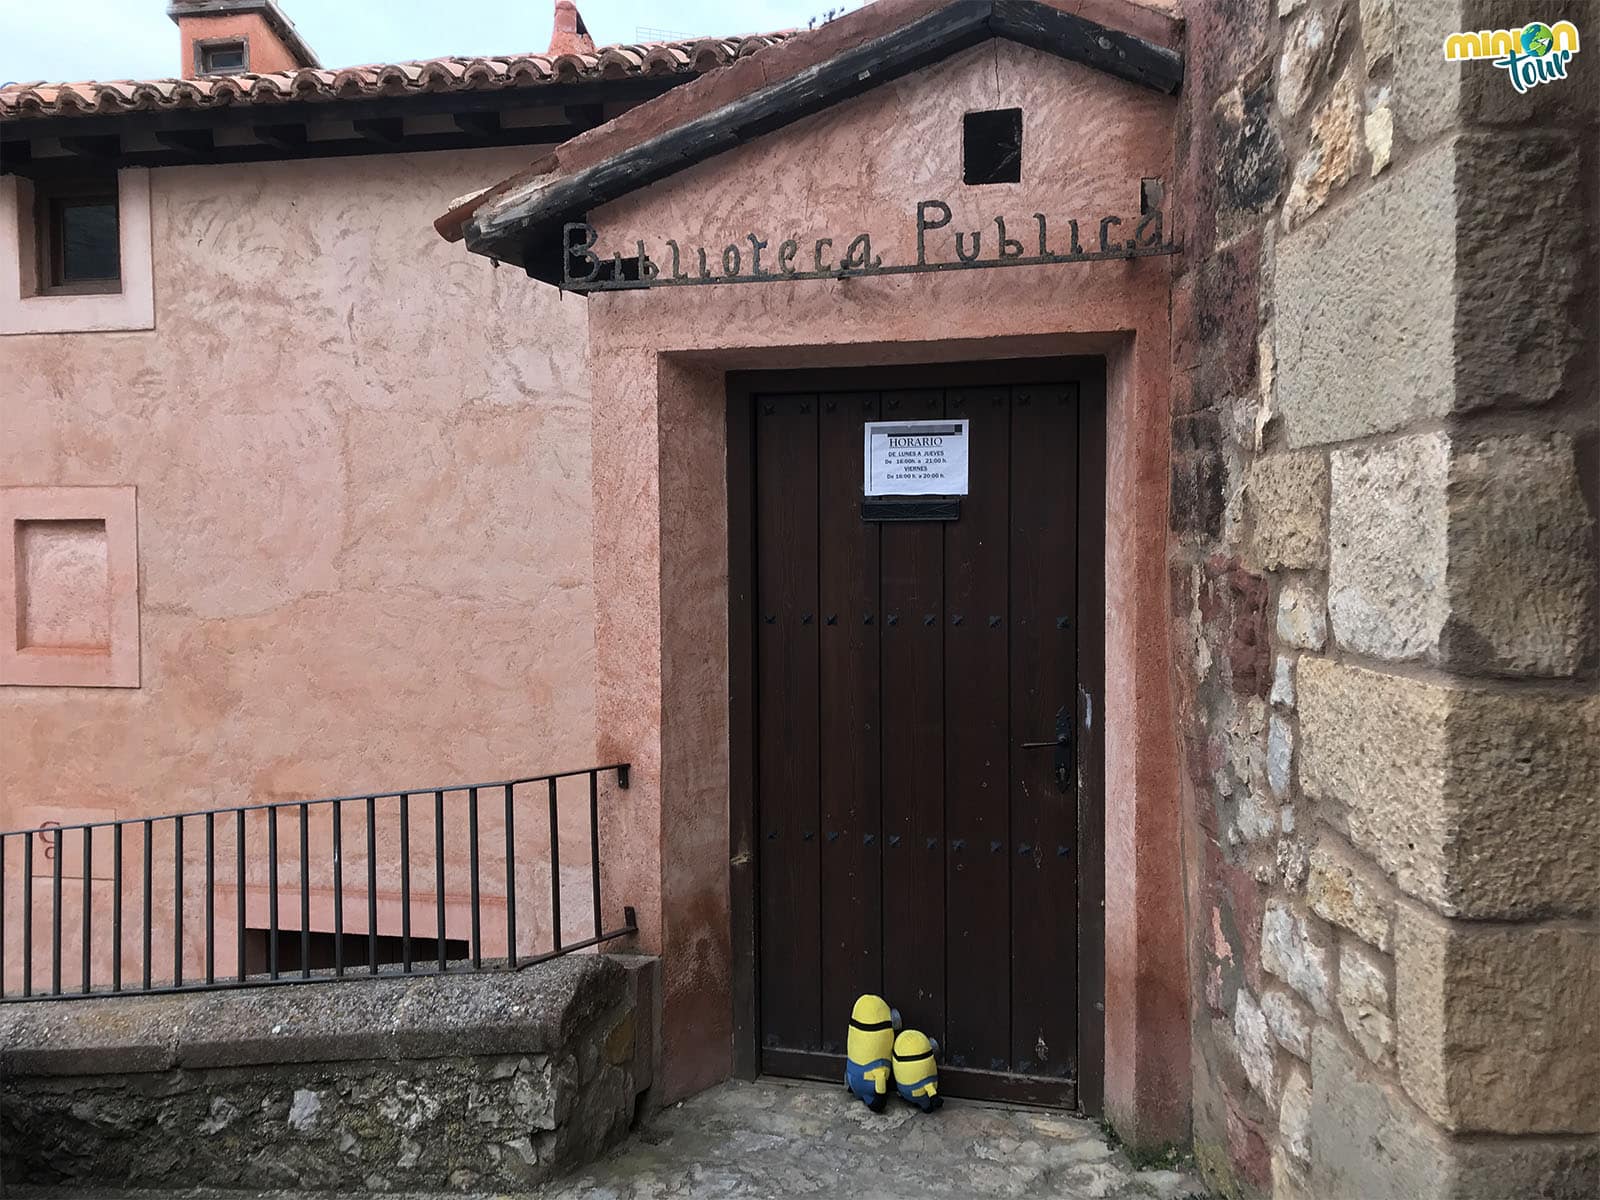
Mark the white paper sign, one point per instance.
(916, 458)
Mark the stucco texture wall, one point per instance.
(362, 463)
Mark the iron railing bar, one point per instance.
(555, 868)
(211, 898)
(177, 903)
(472, 856)
(88, 907)
(372, 885)
(2, 916)
(27, 915)
(55, 919)
(305, 891)
(405, 884)
(149, 889)
(621, 768)
(438, 866)
(116, 909)
(338, 889)
(550, 955)
(239, 900)
(594, 846)
(511, 876)
(272, 893)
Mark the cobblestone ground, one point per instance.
(772, 1141)
(767, 1140)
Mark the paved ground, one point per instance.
(773, 1141)
(767, 1141)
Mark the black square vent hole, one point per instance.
(991, 146)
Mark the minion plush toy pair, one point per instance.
(874, 1053)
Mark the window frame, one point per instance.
(50, 199)
(204, 47)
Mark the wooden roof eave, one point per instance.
(522, 225)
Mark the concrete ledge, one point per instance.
(492, 1082)
(525, 1012)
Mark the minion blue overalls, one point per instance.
(869, 1048)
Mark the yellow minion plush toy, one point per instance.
(868, 1048)
(916, 1075)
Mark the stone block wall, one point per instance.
(472, 1083)
(1384, 575)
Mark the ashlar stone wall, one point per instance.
(1384, 603)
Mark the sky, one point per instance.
(133, 39)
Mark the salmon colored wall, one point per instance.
(658, 364)
(362, 463)
(267, 52)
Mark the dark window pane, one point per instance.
(991, 146)
(218, 59)
(87, 238)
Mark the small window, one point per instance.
(79, 244)
(991, 146)
(224, 58)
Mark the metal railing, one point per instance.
(212, 912)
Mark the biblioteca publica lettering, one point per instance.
(586, 266)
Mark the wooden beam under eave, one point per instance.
(585, 115)
(193, 143)
(389, 132)
(66, 165)
(282, 137)
(99, 146)
(481, 122)
(15, 154)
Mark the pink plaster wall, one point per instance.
(362, 463)
(660, 507)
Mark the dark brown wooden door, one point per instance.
(917, 825)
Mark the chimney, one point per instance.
(232, 37)
(571, 35)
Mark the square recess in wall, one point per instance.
(69, 587)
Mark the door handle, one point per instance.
(1062, 745)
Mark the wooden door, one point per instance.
(918, 708)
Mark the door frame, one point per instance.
(1089, 372)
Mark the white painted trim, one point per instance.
(133, 308)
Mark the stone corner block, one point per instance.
(1368, 1143)
(1436, 93)
(1497, 325)
(1499, 1027)
(1388, 547)
(1481, 803)
(1355, 354)
(1520, 582)
(1472, 553)
(1287, 500)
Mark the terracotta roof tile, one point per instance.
(19, 101)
